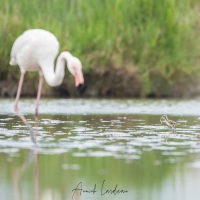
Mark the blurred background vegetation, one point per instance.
(138, 48)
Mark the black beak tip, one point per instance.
(81, 89)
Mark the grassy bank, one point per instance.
(158, 39)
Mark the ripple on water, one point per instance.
(71, 167)
(9, 150)
(104, 135)
(99, 154)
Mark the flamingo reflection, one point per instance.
(31, 130)
(32, 157)
(17, 174)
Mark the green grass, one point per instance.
(158, 38)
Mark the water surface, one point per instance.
(103, 146)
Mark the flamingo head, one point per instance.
(75, 67)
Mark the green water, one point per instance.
(87, 155)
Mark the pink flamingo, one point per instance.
(36, 50)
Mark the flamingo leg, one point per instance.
(39, 94)
(19, 91)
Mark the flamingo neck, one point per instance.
(55, 75)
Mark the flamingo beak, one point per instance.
(79, 78)
(79, 82)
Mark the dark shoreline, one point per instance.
(111, 82)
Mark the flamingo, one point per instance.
(36, 50)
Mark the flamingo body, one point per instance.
(33, 47)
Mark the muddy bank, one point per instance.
(103, 82)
